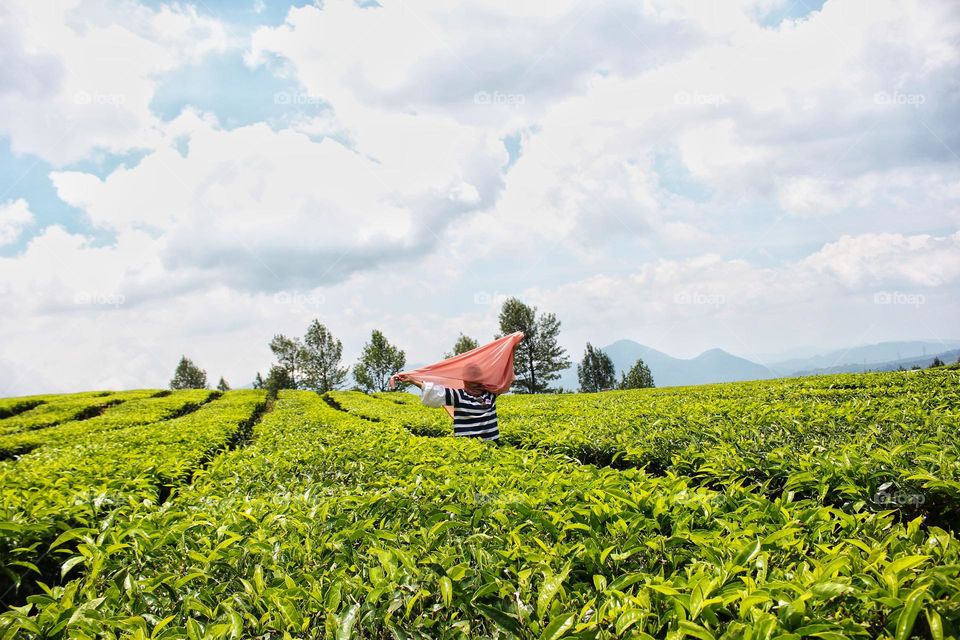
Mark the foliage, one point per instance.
(378, 362)
(56, 409)
(639, 377)
(744, 510)
(278, 378)
(539, 357)
(288, 371)
(408, 415)
(188, 376)
(70, 490)
(222, 385)
(127, 409)
(321, 360)
(311, 362)
(595, 371)
(10, 407)
(462, 345)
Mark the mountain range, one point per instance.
(717, 365)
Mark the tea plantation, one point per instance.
(824, 507)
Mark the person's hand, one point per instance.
(407, 379)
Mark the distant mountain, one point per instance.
(857, 358)
(715, 365)
(947, 357)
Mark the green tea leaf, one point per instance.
(908, 615)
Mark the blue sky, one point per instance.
(192, 178)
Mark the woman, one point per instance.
(474, 408)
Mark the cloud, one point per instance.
(889, 258)
(14, 216)
(260, 209)
(692, 304)
(689, 177)
(486, 62)
(81, 77)
(61, 272)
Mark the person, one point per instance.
(474, 407)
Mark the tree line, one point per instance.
(314, 361)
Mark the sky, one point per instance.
(768, 177)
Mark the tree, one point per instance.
(222, 385)
(258, 381)
(596, 371)
(188, 376)
(937, 362)
(290, 355)
(639, 377)
(278, 378)
(538, 358)
(378, 362)
(462, 345)
(321, 359)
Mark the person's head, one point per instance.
(471, 380)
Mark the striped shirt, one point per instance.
(474, 416)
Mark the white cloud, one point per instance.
(890, 258)
(14, 216)
(430, 57)
(690, 305)
(264, 209)
(63, 272)
(88, 72)
(396, 208)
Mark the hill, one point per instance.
(715, 365)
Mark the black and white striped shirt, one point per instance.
(474, 416)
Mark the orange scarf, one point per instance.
(494, 360)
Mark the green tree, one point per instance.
(188, 376)
(258, 381)
(321, 359)
(278, 378)
(539, 357)
(462, 345)
(289, 353)
(222, 385)
(596, 371)
(378, 362)
(639, 377)
(937, 362)
(312, 362)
